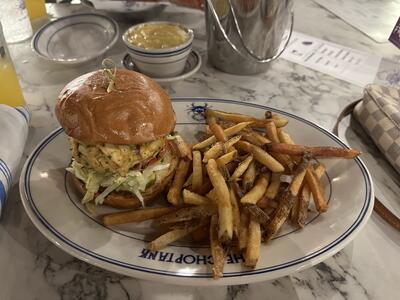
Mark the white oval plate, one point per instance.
(75, 38)
(193, 64)
(53, 206)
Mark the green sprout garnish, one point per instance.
(110, 70)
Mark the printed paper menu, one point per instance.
(347, 64)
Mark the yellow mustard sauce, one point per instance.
(157, 36)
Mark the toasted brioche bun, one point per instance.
(124, 199)
(137, 110)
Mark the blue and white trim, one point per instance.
(5, 182)
(25, 112)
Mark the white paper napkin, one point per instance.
(13, 133)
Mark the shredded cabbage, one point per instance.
(100, 198)
(92, 187)
(171, 137)
(134, 182)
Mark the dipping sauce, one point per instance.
(157, 36)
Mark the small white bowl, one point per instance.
(160, 63)
(60, 40)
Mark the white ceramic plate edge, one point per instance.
(75, 61)
(174, 78)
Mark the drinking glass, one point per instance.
(11, 93)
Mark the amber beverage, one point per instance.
(11, 93)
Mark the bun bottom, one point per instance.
(127, 200)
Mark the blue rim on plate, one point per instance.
(41, 30)
(99, 260)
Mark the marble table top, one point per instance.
(368, 268)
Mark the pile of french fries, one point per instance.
(238, 187)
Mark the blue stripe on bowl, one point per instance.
(163, 54)
(159, 63)
(3, 171)
(68, 26)
(41, 30)
(23, 113)
(79, 250)
(2, 194)
(7, 173)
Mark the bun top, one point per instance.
(137, 110)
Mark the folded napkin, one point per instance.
(379, 114)
(13, 133)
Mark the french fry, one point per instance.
(183, 147)
(171, 236)
(268, 114)
(237, 189)
(315, 151)
(138, 215)
(261, 156)
(215, 128)
(304, 202)
(316, 189)
(242, 167)
(294, 213)
(235, 117)
(255, 138)
(257, 191)
(174, 192)
(271, 192)
(229, 132)
(188, 181)
(219, 148)
(217, 250)
(231, 167)
(225, 172)
(273, 204)
(298, 177)
(272, 177)
(223, 201)
(273, 188)
(296, 184)
(212, 195)
(272, 134)
(257, 214)
(264, 202)
(194, 199)
(226, 158)
(280, 215)
(243, 229)
(206, 187)
(214, 152)
(249, 177)
(235, 212)
(285, 138)
(187, 214)
(304, 198)
(253, 244)
(197, 175)
(227, 146)
(279, 121)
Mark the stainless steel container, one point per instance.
(245, 36)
